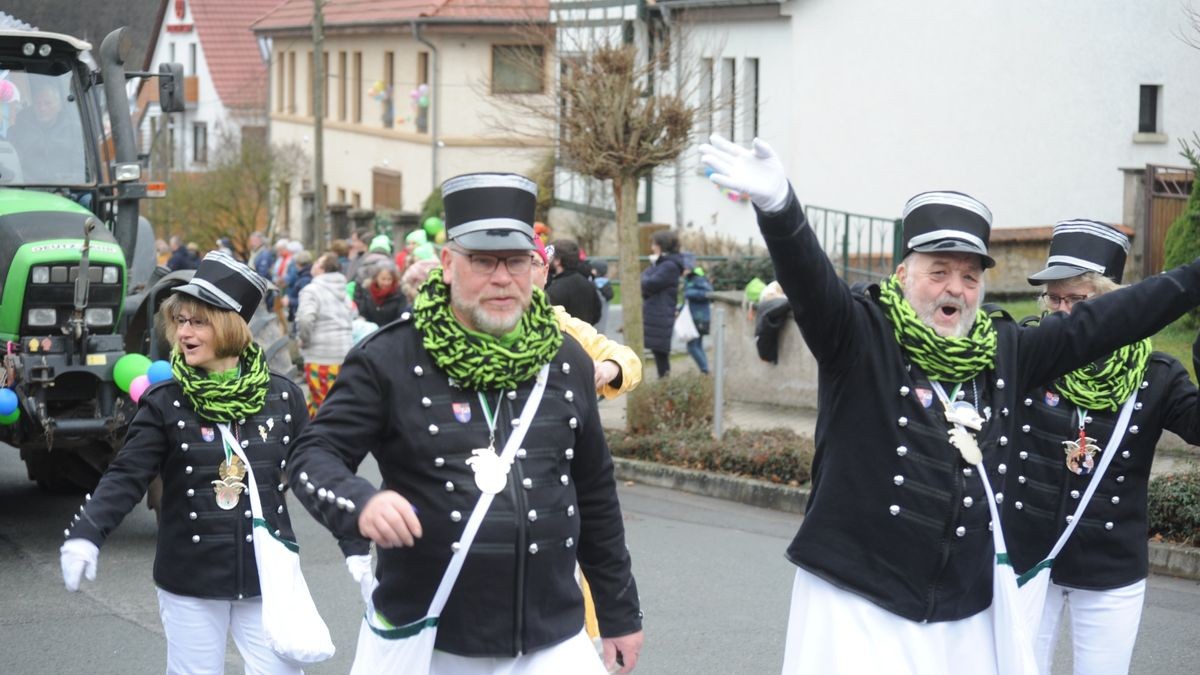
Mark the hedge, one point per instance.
(1174, 508)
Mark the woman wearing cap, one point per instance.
(204, 566)
(1067, 428)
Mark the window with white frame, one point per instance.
(518, 69)
(706, 97)
(200, 142)
(728, 98)
(749, 98)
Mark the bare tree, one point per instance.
(233, 197)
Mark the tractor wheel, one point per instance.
(69, 470)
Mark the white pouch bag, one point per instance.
(685, 327)
(408, 649)
(293, 626)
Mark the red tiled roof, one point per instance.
(231, 50)
(298, 13)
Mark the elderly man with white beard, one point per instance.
(918, 393)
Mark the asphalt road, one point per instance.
(713, 581)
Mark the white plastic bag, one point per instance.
(685, 328)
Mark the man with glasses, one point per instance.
(435, 397)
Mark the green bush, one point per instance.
(775, 455)
(1182, 244)
(1175, 507)
(671, 422)
(671, 404)
(432, 205)
(733, 274)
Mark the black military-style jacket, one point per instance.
(895, 514)
(517, 590)
(1108, 547)
(203, 551)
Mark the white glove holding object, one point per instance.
(79, 557)
(757, 172)
(362, 572)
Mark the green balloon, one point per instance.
(432, 226)
(10, 418)
(129, 367)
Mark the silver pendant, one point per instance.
(967, 447)
(965, 414)
(491, 472)
(262, 433)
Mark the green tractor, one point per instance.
(78, 281)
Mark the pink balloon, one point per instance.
(138, 386)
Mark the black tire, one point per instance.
(69, 470)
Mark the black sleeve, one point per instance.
(1097, 327)
(1181, 413)
(602, 553)
(326, 456)
(125, 481)
(822, 303)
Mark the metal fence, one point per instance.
(862, 248)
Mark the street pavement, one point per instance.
(712, 577)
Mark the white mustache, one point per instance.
(946, 299)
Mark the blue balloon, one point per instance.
(708, 172)
(159, 371)
(8, 402)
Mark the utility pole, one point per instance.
(317, 232)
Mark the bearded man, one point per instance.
(442, 398)
(918, 393)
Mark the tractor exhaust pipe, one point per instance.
(114, 51)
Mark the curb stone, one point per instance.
(1170, 559)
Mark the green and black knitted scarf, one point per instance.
(1106, 385)
(945, 359)
(479, 362)
(225, 400)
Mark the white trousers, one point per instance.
(1104, 626)
(835, 631)
(197, 630)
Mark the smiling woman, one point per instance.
(207, 337)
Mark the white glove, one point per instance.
(79, 558)
(362, 572)
(757, 172)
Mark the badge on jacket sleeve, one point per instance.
(462, 411)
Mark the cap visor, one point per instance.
(956, 246)
(1056, 273)
(202, 295)
(495, 240)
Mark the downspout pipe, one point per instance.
(434, 100)
(115, 49)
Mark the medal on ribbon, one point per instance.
(1081, 453)
(229, 489)
(491, 472)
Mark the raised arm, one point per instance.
(1095, 328)
(822, 303)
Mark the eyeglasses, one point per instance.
(487, 264)
(1055, 300)
(198, 324)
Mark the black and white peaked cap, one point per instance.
(947, 222)
(490, 211)
(227, 284)
(1081, 246)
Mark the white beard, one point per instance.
(927, 311)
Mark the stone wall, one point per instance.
(792, 382)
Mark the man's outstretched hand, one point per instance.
(757, 172)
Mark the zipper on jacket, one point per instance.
(520, 508)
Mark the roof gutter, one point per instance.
(435, 88)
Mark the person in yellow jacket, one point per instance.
(618, 370)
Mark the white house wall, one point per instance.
(474, 132)
(208, 109)
(1030, 106)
